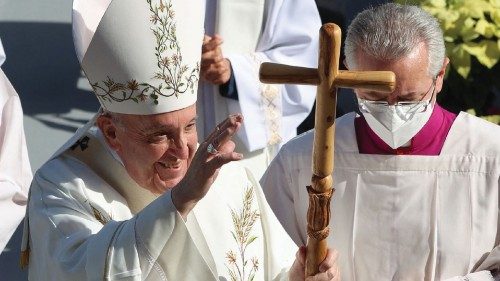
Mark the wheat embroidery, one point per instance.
(241, 268)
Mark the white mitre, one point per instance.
(140, 56)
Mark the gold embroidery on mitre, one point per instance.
(177, 78)
(243, 222)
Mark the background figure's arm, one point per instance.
(290, 36)
(15, 170)
(278, 188)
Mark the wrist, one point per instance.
(182, 201)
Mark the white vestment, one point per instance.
(400, 217)
(88, 220)
(15, 170)
(256, 31)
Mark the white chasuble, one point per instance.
(401, 217)
(88, 220)
(256, 31)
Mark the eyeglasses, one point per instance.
(369, 105)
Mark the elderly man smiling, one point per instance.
(136, 198)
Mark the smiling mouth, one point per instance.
(171, 165)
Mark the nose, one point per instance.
(392, 99)
(178, 146)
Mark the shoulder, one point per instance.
(474, 136)
(302, 144)
(67, 178)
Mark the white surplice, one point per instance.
(88, 220)
(15, 169)
(256, 31)
(401, 217)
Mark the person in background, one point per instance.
(15, 169)
(416, 187)
(240, 35)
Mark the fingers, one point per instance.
(219, 144)
(220, 132)
(210, 44)
(217, 72)
(211, 57)
(223, 158)
(329, 269)
(301, 255)
(329, 261)
(214, 67)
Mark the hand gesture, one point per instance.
(214, 67)
(212, 154)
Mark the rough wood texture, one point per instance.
(328, 78)
(324, 132)
(273, 73)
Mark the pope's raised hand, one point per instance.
(212, 154)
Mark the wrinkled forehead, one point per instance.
(169, 120)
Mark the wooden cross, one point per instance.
(328, 77)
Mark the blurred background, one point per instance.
(56, 98)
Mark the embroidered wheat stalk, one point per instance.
(243, 222)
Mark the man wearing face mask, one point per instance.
(416, 187)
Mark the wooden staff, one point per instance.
(328, 77)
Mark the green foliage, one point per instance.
(472, 36)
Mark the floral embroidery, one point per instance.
(243, 222)
(176, 77)
(99, 216)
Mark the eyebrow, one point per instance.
(154, 128)
(409, 96)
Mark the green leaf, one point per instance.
(250, 240)
(485, 28)
(495, 16)
(234, 236)
(460, 60)
(467, 31)
(486, 52)
(475, 8)
(437, 3)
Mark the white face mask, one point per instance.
(396, 124)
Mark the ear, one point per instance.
(108, 129)
(440, 75)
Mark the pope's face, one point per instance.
(413, 81)
(156, 150)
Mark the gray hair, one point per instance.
(392, 31)
(115, 117)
